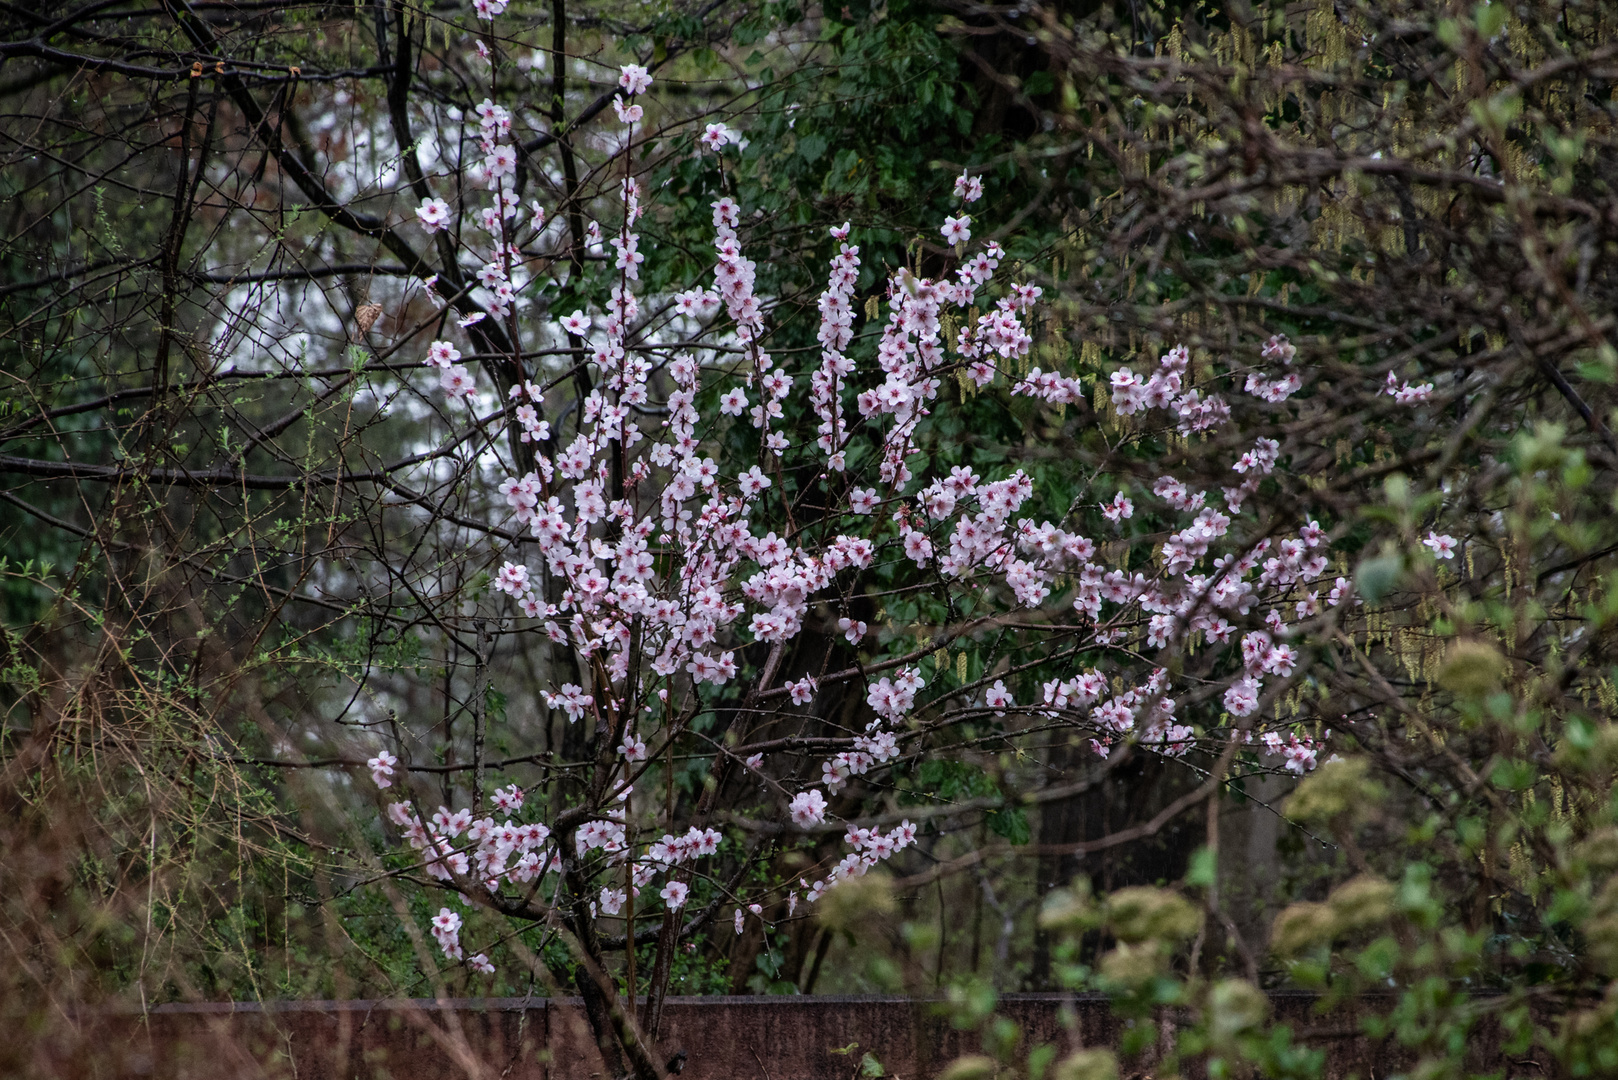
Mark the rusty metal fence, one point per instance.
(722, 1038)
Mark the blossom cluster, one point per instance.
(868, 847)
(446, 927)
(1406, 392)
(1275, 390)
(835, 333)
(454, 845)
(381, 767)
(1300, 751)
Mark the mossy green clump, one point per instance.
(1472, 669)
(1340, 790)
(1087, 1065)
(855, 901)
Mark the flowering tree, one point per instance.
(644, 652)
(669, 544)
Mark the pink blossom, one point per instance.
(433, 214)
(381, 768)
(1242, 697)
(442, 355)
(500, 162)
(863, 500)
(634, 78)
(457, 382)
(808, 808)
(1442, 546)
(717, 137)
(512, 579)
(753, 481)
(1120, 508)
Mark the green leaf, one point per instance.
(494, 701)
(1204, 868)
(1377, 577)
(1490, 18)
(1011, 823)
(1513, 775)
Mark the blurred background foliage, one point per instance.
(196, 654)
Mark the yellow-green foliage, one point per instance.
(1338, 790)
(856, 901)
(1472, 669)
(1358, 904)
(1087, 1065)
